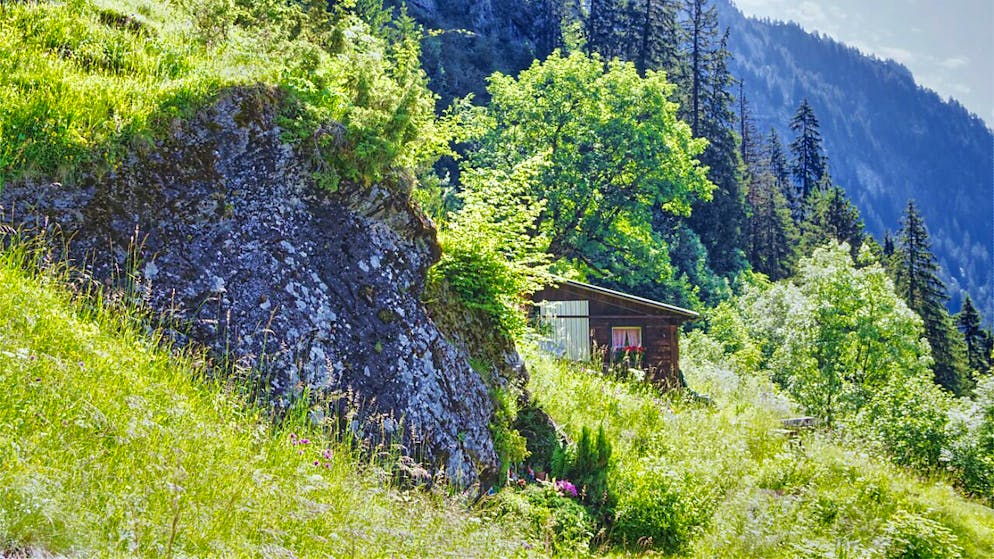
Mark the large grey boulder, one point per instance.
(306, 289)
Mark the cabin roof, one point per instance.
(688, 314)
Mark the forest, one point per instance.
(628, 157)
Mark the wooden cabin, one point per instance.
(581, 320)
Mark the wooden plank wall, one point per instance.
(660, 329)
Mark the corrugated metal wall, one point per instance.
(568, 326)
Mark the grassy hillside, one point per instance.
(84, 82)
(110, 447)
(725, 480)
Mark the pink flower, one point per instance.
(566, 488)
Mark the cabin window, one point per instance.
(626, 337)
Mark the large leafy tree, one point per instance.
(809, 165)
(916, 274)
(609, 149)
(845, 336)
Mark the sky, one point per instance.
(947, 44)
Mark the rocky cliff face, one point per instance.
(309, 290)
(468, 41)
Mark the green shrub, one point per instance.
(586, 464)
(560, 522)
(511, 447)
(908, 418)
(971, 441)
(910, 536)
(490, 257)
(81, 81)
(657, 507)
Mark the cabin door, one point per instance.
(567, 328)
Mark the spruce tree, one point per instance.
(770, 231)
(831, 215)
(917, 278)
(700, 25)
(752, 149)
(605, 28)
(780, 169)
(654, 36)
(808, 166)
(978, 341)
(719, 223)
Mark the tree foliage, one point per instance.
(979, 342)
(916, 274)
(492, 257)
(851, 335)
(809, 165)
(831, 215)
(608, 152)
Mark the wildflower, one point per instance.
(566, 488)
(327, 454)
(317, 462)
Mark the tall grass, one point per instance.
(725, 480)
(110, 447)
(84, 82)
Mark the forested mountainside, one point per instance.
(888, 139)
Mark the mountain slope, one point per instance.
(887, 138)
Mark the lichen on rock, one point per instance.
(307, 289)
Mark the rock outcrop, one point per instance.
(307, 289)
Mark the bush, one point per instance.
(910, 536)
(657, 508)
(971, 441)
(586, 464)
(490, 258)
(908, 418)
(560, 522)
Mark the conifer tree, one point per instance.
(657, 39)
(808, 166)
(605, 26)
(701, 34)
(770, 231)
(831, 215)
(719, 223)
(978, 341)
(917, 278)
(780, 169)
(888, 244)
(752, 149)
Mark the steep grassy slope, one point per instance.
(726, 481)
(83, 82)
(110, 447)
